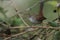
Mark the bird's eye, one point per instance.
(54, 11)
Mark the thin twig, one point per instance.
(3, 24)
(44, 27)
(32, 30)
(23, 20)
(50, 33)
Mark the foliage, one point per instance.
(4, 14)
(57, 36)
(2, 11)
(53, 24)
(16, 21)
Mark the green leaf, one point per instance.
(53, 24)
(16, 21)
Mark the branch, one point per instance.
(23, 20)
(18, 34)
(41, 27)
(55, 28)
(3, 24)
(50, 33)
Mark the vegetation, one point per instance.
(47, 31)
(53, 24)
(57, 36)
